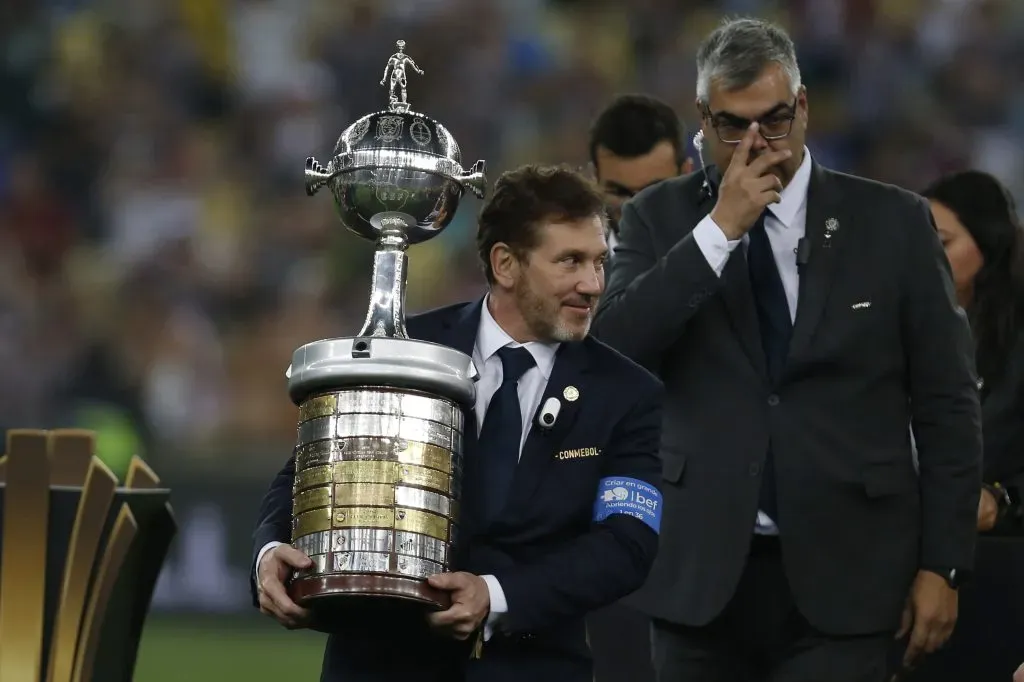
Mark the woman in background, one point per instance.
(982, 235)
(978, 226)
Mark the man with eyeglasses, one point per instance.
(801, 319)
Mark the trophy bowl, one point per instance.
(396, 168)
(378, 455)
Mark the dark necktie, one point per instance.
(776, 330)
(501, 433)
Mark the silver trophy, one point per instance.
(378, 459)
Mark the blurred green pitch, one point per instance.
(217, 648)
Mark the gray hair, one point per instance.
(737, 52)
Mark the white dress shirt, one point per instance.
(490, 337)
(786, 225)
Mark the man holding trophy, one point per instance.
(463, 493)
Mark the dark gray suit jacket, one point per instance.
(1002, 411)
(878, 342)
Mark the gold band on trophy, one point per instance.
(364, 494)
(323, 452)
(373, 472)
(383, 426)
(321, 406)
(364, 517)
(318, 520)
(383, 402)
(416, 521)
(314, 477)
(404, 451)
(313, 498)
(423, 477)
(373, 495)
(366, 472)
(314, 521)
(409, 520)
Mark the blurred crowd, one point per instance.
(159, 260)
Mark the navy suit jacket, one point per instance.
(554, 563)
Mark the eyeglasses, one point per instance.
(774, 125)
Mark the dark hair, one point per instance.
(525, 197)
(987, 211)
(633, 124)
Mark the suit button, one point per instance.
(755, 469)
(695, 300)
(773, 400)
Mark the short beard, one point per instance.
(534, 311)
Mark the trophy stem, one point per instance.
(386, 315)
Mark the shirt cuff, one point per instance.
(499, 607)
(259, 557)
(712, 243)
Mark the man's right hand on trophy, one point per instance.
(748, 186)
(275, 567)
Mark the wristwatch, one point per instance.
(1013, 494)
(1001, 495)
(954, 576)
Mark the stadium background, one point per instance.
(159, 260)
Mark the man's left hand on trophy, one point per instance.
(471, 602)
(274, 568)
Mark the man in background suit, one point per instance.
(635, 142)
(802, 321)
(557, 518)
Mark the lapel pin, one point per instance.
(831, 227)
(571, 393)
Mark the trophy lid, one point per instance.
(398, 127)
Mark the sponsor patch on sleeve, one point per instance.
(624, 495)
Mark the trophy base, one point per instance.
(338, 601)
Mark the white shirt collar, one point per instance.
(490, 337)
(794, 196)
